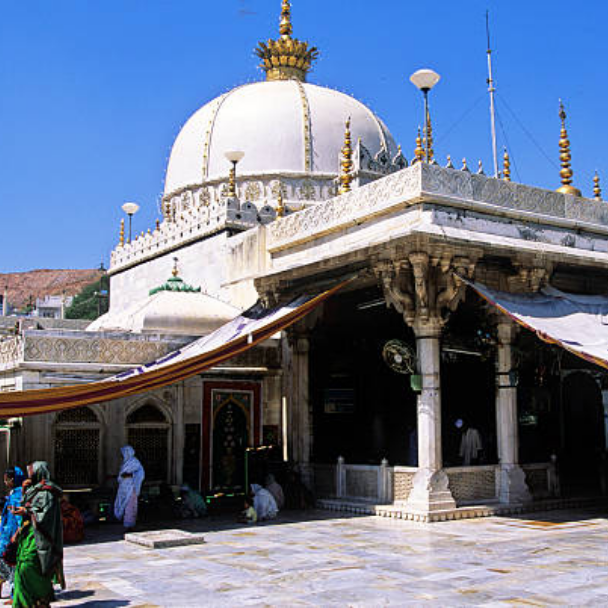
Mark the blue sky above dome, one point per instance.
(94, 94)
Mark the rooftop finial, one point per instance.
(121, 238)
(346, 164)
(565, 157)
(286, 58)
(506, 166)
(285, 28)
(419, 151)
(280, 205)
(175, 272)
(597, 191)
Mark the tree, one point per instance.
(90, 303)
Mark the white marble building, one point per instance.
(279, 228)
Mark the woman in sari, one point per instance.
(9, 524)
(40, 541)
(130, 479)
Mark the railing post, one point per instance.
(340, 477)
(383, 497)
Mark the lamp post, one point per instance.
(425, 80)
(233, 156)
(130, 209)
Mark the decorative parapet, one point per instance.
(93, 348)
(431, 183)
(11, 352)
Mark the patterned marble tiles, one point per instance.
(322, 559)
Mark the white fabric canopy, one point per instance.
(578, 323)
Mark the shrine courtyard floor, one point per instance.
(557, 558)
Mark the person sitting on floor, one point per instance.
(248, 514)
(263, 502)
(276, 490)
(192, 504)
(73, 523)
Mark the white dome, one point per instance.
(284, 127)
(170, 312)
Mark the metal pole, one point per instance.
(425, 92)
(130, 216)
(491, 91)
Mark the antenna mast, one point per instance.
(491, 91)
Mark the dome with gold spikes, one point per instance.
(291, 133)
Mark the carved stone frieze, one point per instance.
(11, 351)
(529, 279)
(93, 350)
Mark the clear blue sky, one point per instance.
(92, 94)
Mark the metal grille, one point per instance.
(76, 456)
(79, 414)
(151, 446)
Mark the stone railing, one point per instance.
(451, 187)
(403, 480)
(542, 480)
(472, 484)
(369, 483)
(11, 351)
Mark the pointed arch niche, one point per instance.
(149, 425)
(77, 447)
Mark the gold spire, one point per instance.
(285, 28)
(419, 151)
(175, 272)
(286, 58)
(121, 238)
(280, 205)
(506, 166)
(157, 224)
(346, 164)
(565, 157)
(597, 191)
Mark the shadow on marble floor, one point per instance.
(111, 532)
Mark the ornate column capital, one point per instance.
(424, 288)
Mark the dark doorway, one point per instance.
(362, 409)
(583, 453)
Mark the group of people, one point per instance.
(31, 536)
(264, 502)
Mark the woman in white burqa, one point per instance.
(130, 478)
(263, 502)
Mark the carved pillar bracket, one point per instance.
(512, 487)
(422, 287)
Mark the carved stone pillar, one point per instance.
(423, 288)
(179, 431)
(512, 483)
(430, 490)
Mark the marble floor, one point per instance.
(558, 558)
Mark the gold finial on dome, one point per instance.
(346, 164)
(565, 157)
(175, 272)
(506, 166)
(419, 151)
(121, 238)
(286, 58)
(597, 191)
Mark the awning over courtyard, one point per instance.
(242, 333)
(577, 323)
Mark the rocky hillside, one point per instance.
(40, 283)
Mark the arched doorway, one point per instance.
(77, 447)
(583, 436)
(148, 431)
